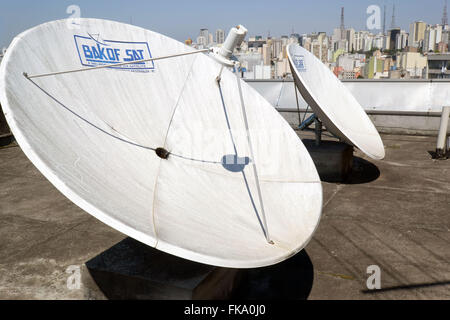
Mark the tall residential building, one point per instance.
(433, 35)
(205, 34)
(256, 42)
(284, 40)
(380, 41)
(201, 41)
(442, 47)
(350, 36)
(417, 34)
(412, 62)
(266, 54)
(322, 39)
(402, 40)
(446, 38)
(393, 37)
(438, 66)
(277, 47)
(306, 42)
(336, 35)
(282, 68)
(220, 36)
(364, 41)
(295, 37)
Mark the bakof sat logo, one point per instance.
(299, 62)
(94, 51)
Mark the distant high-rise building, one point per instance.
(296, 37)
(205, 34)
(402, 40)
(384, 20)
(393, 37)
(220, 36)
(380, 41)
(255, 44)
(417, 34)
(437, 66)
(432, 38)
(350, 36)
(201, 41)
(446, 38)
(322, 39)
(277, 47)
(364, 41)
(266, 54)
(336, 35)
(306, 42)
(442, 47)
(411, 62)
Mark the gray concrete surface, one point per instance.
(394, 213)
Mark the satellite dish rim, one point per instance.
(99, 214)
(321, 113)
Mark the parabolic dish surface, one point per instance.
(93, 135)
(333, 103)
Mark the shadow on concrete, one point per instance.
(6, 139)
(408, 287)
(291, 279)
(362, 171)
(333, 159)
(434, 155)
(5, 134)
(4, 129)
(133, 270)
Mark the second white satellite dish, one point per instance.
(333, 103)
(158, 149)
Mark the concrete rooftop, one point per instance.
(393, 213)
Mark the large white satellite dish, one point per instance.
(142, 146)
(333, 103)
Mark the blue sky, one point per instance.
(183, 19)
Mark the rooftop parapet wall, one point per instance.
(395, 106)
(403, 96)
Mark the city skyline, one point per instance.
(388, 51)
(281, 19)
